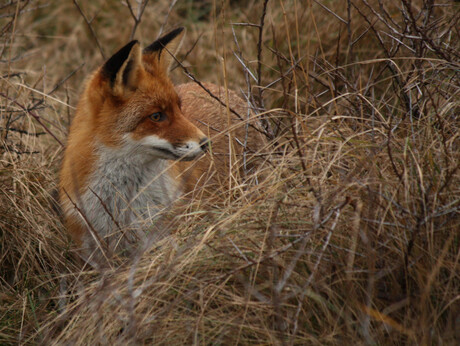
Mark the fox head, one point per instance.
(132, 102)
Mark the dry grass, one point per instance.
(347, 233)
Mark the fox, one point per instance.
(137, 144)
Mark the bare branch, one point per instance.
(141, 5)
(35, 116)
(90, 27)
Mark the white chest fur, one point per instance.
(125, 194)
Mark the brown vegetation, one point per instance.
(347, 233)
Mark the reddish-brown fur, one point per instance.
(108, 111)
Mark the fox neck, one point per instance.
(132, 174)
(127, 190)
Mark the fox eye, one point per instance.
(157, 117)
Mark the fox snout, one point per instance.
(191, 149)
(204, 144)
(164, 149)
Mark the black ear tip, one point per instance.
(163, 40)
(179, 30)
(112, 65)
(173, 33)
(132, 43)
(123, 52)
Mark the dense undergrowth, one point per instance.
(348, 231)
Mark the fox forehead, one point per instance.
(158, 91)
(153, 96)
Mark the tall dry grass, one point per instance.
(348, 232)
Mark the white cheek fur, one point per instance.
(187, 150)
(156, 142)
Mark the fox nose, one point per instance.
(205, 144)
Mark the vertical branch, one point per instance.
(350, 41)
(259, 53)
(88, 23)
(277, 124)
(248, 115)
(11, 39)
(261, 105)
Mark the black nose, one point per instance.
(205, 144)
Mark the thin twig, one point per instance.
(35, 116)
(171, 6)
(63, 80)
(93, 33)
(259, 53)
(137, 18)
(194, 79)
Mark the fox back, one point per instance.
(130, 146)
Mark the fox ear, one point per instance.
(160, 53)
(122, 69)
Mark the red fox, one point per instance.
(131, 123)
